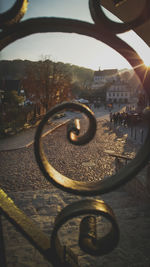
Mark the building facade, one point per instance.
(102, 77)
(119, 92)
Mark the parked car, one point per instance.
(59, 115)
(83, 101)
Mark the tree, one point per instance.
(12, 115)
(12, 99)
(47, 83)
(76, 89)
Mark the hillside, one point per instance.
(16, 69)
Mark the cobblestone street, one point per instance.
(21, 179)
(19, 170)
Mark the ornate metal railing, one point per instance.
(106, 31)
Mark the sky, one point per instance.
(69, 48)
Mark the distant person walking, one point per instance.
(110, 116)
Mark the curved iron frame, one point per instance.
(103, 30)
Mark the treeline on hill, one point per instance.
(80, 77)
(45, 83)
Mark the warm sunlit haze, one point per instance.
(69, 48)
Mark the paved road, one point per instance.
(26, 137)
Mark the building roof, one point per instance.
(107, 72)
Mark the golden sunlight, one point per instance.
(146, 58)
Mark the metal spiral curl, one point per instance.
(103, 30)
(88, 234)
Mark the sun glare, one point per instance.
(144, 53)
(138, 44)
(146, 59)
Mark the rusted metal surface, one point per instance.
(103, 30)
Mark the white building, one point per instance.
(102, 77)
(119, 92)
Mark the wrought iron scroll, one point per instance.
(103, 30)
